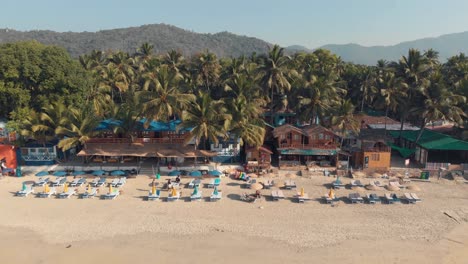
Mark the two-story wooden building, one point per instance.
(309, 145)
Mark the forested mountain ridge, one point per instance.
(163, 37)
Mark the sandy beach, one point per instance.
(131, 230)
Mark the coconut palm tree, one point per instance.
(343, 119)
(207, 119)
(81, 127)
(205, 70)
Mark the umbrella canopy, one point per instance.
(279, 184)
(65, 187)
(174, 173)
(413, 188)
(118, 173)
(376, 175)
(110, 188)
(158, 176)
(98, 172)
(331, 194)
(214, 173)
(302, 191)
(290, 175)
(215, 191)
(153, 189)
(46, 188)
(60, 173)
(77, 173)
(23, 188)
(196, 174)
(42, 173)
(174, 191)
(195, 190)
(392, 188)
(338, 181)
(89, 188)
(256, 186)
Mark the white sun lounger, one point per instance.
(111, 196)
(289, 184)
(115, 182)
(154, 197)
(171, 198)
(268, 184)
(196, 197)
(216, 197)
(26, 192)
(47, 194)
(67, 194)
(214, 182)
(355, 198)
(77, 182)
(194, 182)
(59, 182)
(396, 184)
(42, 181)
(415, 197)
(356, 183)
(373, 198)
(100, 182)
(329, 200)
(90, 194)
(121, 182)
(303, 198)
(277, 195)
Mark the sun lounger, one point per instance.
(216, 197)
(302, 198)
(373, 198)
(196, 197)
(277, 195)
(409, 199)
(396, 184)
(25, 192)
(214, 182)
(171, 198)
(154, 197)
(289, 184)
(249, 183)
(114, 182)
(194, 182)
(42, 181)
(77, 182)
(330, 200)
(415, 197)
(122, 182)
(59, 182)
(356, 183)
(355, 198)
(389, 198)
(376, 183)
(338, 184)
(67, 194)
(112, 195)
(268, 184)
(395, 198)
(46, 194)
(90, 194)
(99, 182)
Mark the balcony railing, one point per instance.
(136, 140)
(310, 146)
(381, 149)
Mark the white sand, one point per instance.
(129, 228)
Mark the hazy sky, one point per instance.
(310, 23)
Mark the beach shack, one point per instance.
(227, 150)
(373, 155)
(258, 159)
(8, 159)
(309, 145)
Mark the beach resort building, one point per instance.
(257, 159)
(227, 150)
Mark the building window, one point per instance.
(375, 157)
(249, 154)
(296, 137)
(320, 136)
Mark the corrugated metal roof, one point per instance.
(433, 140)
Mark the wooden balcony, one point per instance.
(136, 140)
(310, 146)
(380, 149)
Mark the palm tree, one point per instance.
(392, 93)
(207, 119)
(344, 120)
(205, 69)
(81, 127)
(161, 97)
(274, 71)
(175, 61)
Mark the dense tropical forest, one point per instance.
(45, 93)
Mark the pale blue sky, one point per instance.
(310, 23)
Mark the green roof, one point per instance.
(432, 140)
(405, 152)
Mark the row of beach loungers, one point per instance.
(97, 182)
(67, 194)
(357, 183)
(410, 198)
(174, 196)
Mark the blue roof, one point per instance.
(155, 126)
(108, 124)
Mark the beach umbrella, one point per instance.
(376, 175)
(372, 187)
(65, 187)
(214, 173)
(60, 173)
(46, 188)
(331, 194)
(196, 174)
(98, 172)
(110, 188)
(174, 173)
(256, 186)
(413, 188)
(153, 189)
(290, 175)
(302, 191)
(24, 187)
(118, 173)
(392, 188)
(279, 184)
(215, 191)
(89, 188)
(42, 173)
(337, 181)
(195, 190)
(158, 176)
(77, 173)
(174, 191)
(359, 174)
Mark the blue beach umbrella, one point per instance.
(158, 176)
(214, 173)
(215, 191)
(98, 173)
(76, 173)
(118, 173)
(196, 174)
(24, 187)
(195, 190)
(42, 173)
(174, 173)
(60, 173)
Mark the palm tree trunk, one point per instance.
(421, 131)
(402, 122)
(385, 123)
